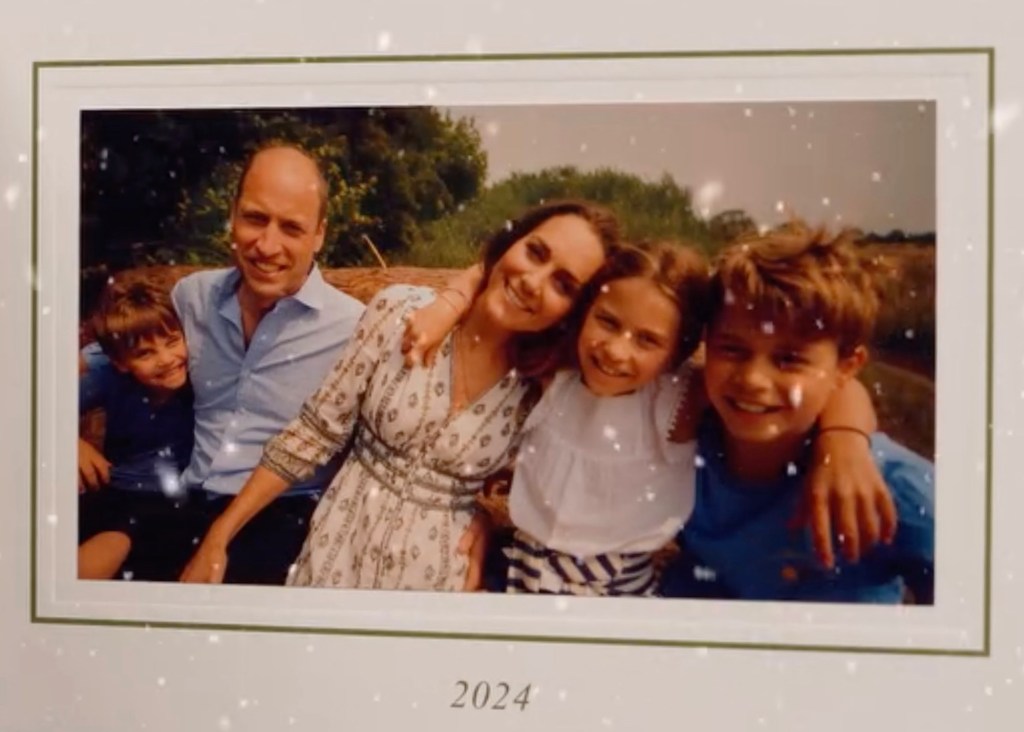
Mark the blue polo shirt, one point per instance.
(146, 444)
(738, 543)
(245, 396)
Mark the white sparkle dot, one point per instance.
(791, 469)
(224, 722)
(492, 129)
(876, 177)
(474, 45)
(383, 41)
(561, 604)
(796, 395)
(851, 666)
(767, 327)
(22, 158)
(698, 461)
(161, 681)
(1004, 116)
(46, 310)
(583, 147)
(11, 195)
(825, 201)
(780, 206)
(748, 112)
(610, 433)
(243, 703)
(214, 638)
(562, 695)
(51, 519)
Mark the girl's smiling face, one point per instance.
(629, 336)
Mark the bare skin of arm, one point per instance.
(210, 561)
(844, 485)
(427, 327)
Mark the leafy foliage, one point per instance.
(646, 210)
(157, 186)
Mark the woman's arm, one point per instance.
(844, 486)
(323, 427)
(426, 328)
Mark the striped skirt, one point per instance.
(533, 568)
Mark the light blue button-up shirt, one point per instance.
(243, 397)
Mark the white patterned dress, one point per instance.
(393, 515)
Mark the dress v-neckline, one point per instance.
(453, 413)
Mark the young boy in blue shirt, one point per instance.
(791, 314)
(137, 372)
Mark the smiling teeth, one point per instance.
(607, 371)
(749, 407)
(514, 297)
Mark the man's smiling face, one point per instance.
(276, 224)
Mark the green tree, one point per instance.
(157, 185)
(660, 209)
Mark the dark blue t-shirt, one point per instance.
(148, 446)
(739, 543)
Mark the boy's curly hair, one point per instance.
(802, 278)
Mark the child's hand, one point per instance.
(425, 330)
(93, 468)
(474, 545)
(845, 489)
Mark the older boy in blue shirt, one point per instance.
(791, 312)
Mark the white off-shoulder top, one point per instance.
(599, 474)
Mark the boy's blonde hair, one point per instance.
(802, 278)
(679, 270)
(130, 312)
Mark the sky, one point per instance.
(865, 164)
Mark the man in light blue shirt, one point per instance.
(261, 337)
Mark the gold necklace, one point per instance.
(459, 376)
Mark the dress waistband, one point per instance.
(408, 476)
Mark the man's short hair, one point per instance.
(321, 183)
(802, 279)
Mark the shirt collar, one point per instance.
(310, 295)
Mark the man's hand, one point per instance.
(93, 468)
(844, 488)
(208, 564)
(474, 545)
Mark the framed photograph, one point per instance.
(756, 155)
(144, 180)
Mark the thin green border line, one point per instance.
(34, 345)
(561, 640)
(553, 56)
(990, 346)
(989, 52)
